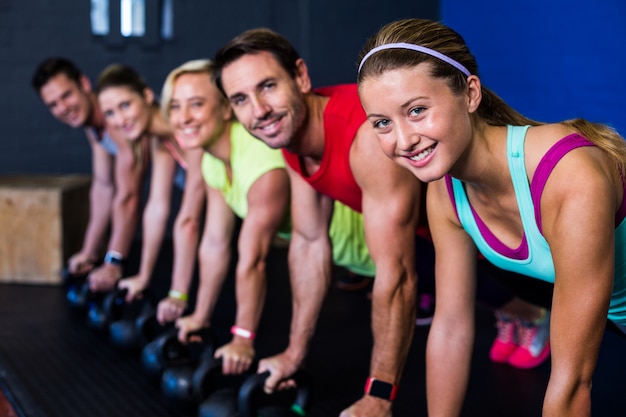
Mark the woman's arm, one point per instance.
(268, 199)
(214, 255)
(578, 211)
(128, 176)
(187, 224)
(155, 216)
(451, 337)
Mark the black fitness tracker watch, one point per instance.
(380, 389)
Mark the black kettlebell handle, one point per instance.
(101, 314)
(202, 349)
(78, 295)
(70, 279)
(253, 386)
(208, 376)
(115, 300)
(203, 377)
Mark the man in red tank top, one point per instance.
(332, 153)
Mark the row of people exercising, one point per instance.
(330, 146)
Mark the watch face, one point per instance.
(380, 389)
(113, 259)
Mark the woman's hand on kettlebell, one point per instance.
(80, 263)
(187, 325)
(134, 286)
(236, 356)
(170, 309)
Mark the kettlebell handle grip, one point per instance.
(252, 387)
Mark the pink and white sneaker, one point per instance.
(533, 343)
(506, 340)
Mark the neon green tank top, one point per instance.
(249, 160)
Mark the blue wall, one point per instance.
(551, 60)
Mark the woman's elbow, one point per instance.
(187, 225)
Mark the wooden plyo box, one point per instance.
(42, 223)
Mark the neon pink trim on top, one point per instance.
(547, 164)
(543, 171)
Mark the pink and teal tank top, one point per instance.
(533, 257)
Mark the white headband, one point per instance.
(423, 49)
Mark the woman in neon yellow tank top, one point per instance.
(247, 179)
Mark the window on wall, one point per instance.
(132, 18)
(113, 19)
(100, 17)
(167, 19)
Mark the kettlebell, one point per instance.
(156, 354)
(147, 327)
(100, 315)
(125, 332)
(177, 379)
(253, 402)
(77, 292)
(221, 403)
(216, 392)
(77, 296)
(68, 279)
(165, 350)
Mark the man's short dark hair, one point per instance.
(254, 41)
(51, 67)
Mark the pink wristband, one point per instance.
(246, 334)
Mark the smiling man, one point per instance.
(332, 154)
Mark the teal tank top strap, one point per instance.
(538, 263)
(516, 136)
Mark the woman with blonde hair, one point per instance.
(248, 180)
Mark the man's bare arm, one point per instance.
(310, 266)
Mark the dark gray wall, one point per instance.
(328, 34)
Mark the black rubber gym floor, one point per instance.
(53, 365)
